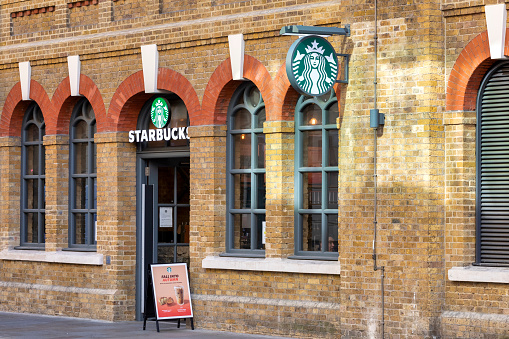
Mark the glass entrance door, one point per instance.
(170, 178)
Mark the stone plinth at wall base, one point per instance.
(290, 318)
(93, 303)
(474, 325)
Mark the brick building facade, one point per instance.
(64, 253)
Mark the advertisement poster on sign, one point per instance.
(171, 291)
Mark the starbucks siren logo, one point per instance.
(159, 112)
(312, 66)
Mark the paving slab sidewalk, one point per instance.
(28, 326)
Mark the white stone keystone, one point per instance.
(237, 45)
(496, 17)
(150, 61)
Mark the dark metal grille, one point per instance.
(493, 169)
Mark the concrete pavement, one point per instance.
(28, 326)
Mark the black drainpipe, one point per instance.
(377, 119)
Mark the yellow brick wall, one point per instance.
(471, 310)
(128, 9)
(57, 183)
(83, 15)
(426, 175)
(10, 170)
(410, 169)
(279, 138)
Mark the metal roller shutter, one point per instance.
(493, 170)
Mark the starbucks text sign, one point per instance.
(159, 114)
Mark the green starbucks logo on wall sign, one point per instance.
(312, 66)
(159, 112)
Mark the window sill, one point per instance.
(272, 265)
(80, 258)
(479, 274)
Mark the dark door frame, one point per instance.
(141, 162)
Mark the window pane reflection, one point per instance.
(260, 118)
(261, 191)
(312, 148)
(242, 231)
(32, 160)
(254, 96)
(93, 229)
(32, 199)
(312, 115)
(242, 151)
(166, 234)
(80, 130)
(312, 232)
(332, 190)
(32, 228)
(43, 186)
(242, 191)
(312, 190)
(80, 228)
(94, 201)
(32, 133)
(94, 157)
(260, 219)
(332, 233)
(80, 193)
(80, 156)
(165, 186)
(261, 150)
(183, 225)
(242, 119)
(333, 114)
(333, 147)
(183, 185)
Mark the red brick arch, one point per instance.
(122, 113)
(467, 73)
(221, 86)
(15, 107)
(64, 103)
(174, 82)
(130, 97)
(255, 71)
(284, 98)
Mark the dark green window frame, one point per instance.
(322, 209)
(82, 148)
(246, 100)
(33, 180)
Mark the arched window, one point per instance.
(492, 168)
(83, 177)
(32, 178)
(245, 184)
(316, 176)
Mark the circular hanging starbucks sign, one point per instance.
(159, 112)
(312, 65)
